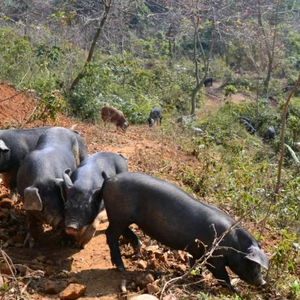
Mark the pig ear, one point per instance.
(32, 199)
(67, 179)
(257, 255)
(96, 196)
(60, 183)
(3, 147)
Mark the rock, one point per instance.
(50, 270)
(4, 269)
(3, 236)
(5, 245)
(144, 297)
(154, 249)
(73, 291)
(181, 268)
(49, 262)
(154, 264)
(6, 203)
(72, 280)
(164, 257)
(142, 264)
(152, 288)
(50, 287)
(41, 258)
(180, 256)
(143, 279)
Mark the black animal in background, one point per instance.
(155, 116)
(247, 122)
(208, 81)
(270, 135)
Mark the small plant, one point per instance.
(295, 287)
(5, 287)
(286, 256)
(229, 90)
(50, 104)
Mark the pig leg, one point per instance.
(217, 268)
(133, 239)
(87, 232)
(33, 230)
(113, 232)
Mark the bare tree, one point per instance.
(107, 5)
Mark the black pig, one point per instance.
(40, 177)
(270, 135)
(247, 122)
(83, 185)
(155, 116)
(208, 81)
(174, 218)
(15, 144)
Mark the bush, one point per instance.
(16, 56)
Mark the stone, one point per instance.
(50, 287)
(152, 288)
(6, 203)
(73, 291)
(142, 264)
(143, 279)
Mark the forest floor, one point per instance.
(45, 270)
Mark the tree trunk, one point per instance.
(82, 74)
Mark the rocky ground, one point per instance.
(51, 270)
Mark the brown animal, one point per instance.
(113, 115)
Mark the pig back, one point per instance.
(162, 210)
(19, 143)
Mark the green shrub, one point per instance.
(229, 90)
(16, 56)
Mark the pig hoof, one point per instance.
(121, 268)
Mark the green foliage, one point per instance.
(219, 70)
(5, 287)
(131, 85)
(229, 90)
(286, 255)
(16, 56)
(87, 99)
(50, 104)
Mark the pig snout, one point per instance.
(71, 230)
(259, 281)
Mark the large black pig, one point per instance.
(81, 188)
(174, 218)
(40, 182)
(15, 144)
